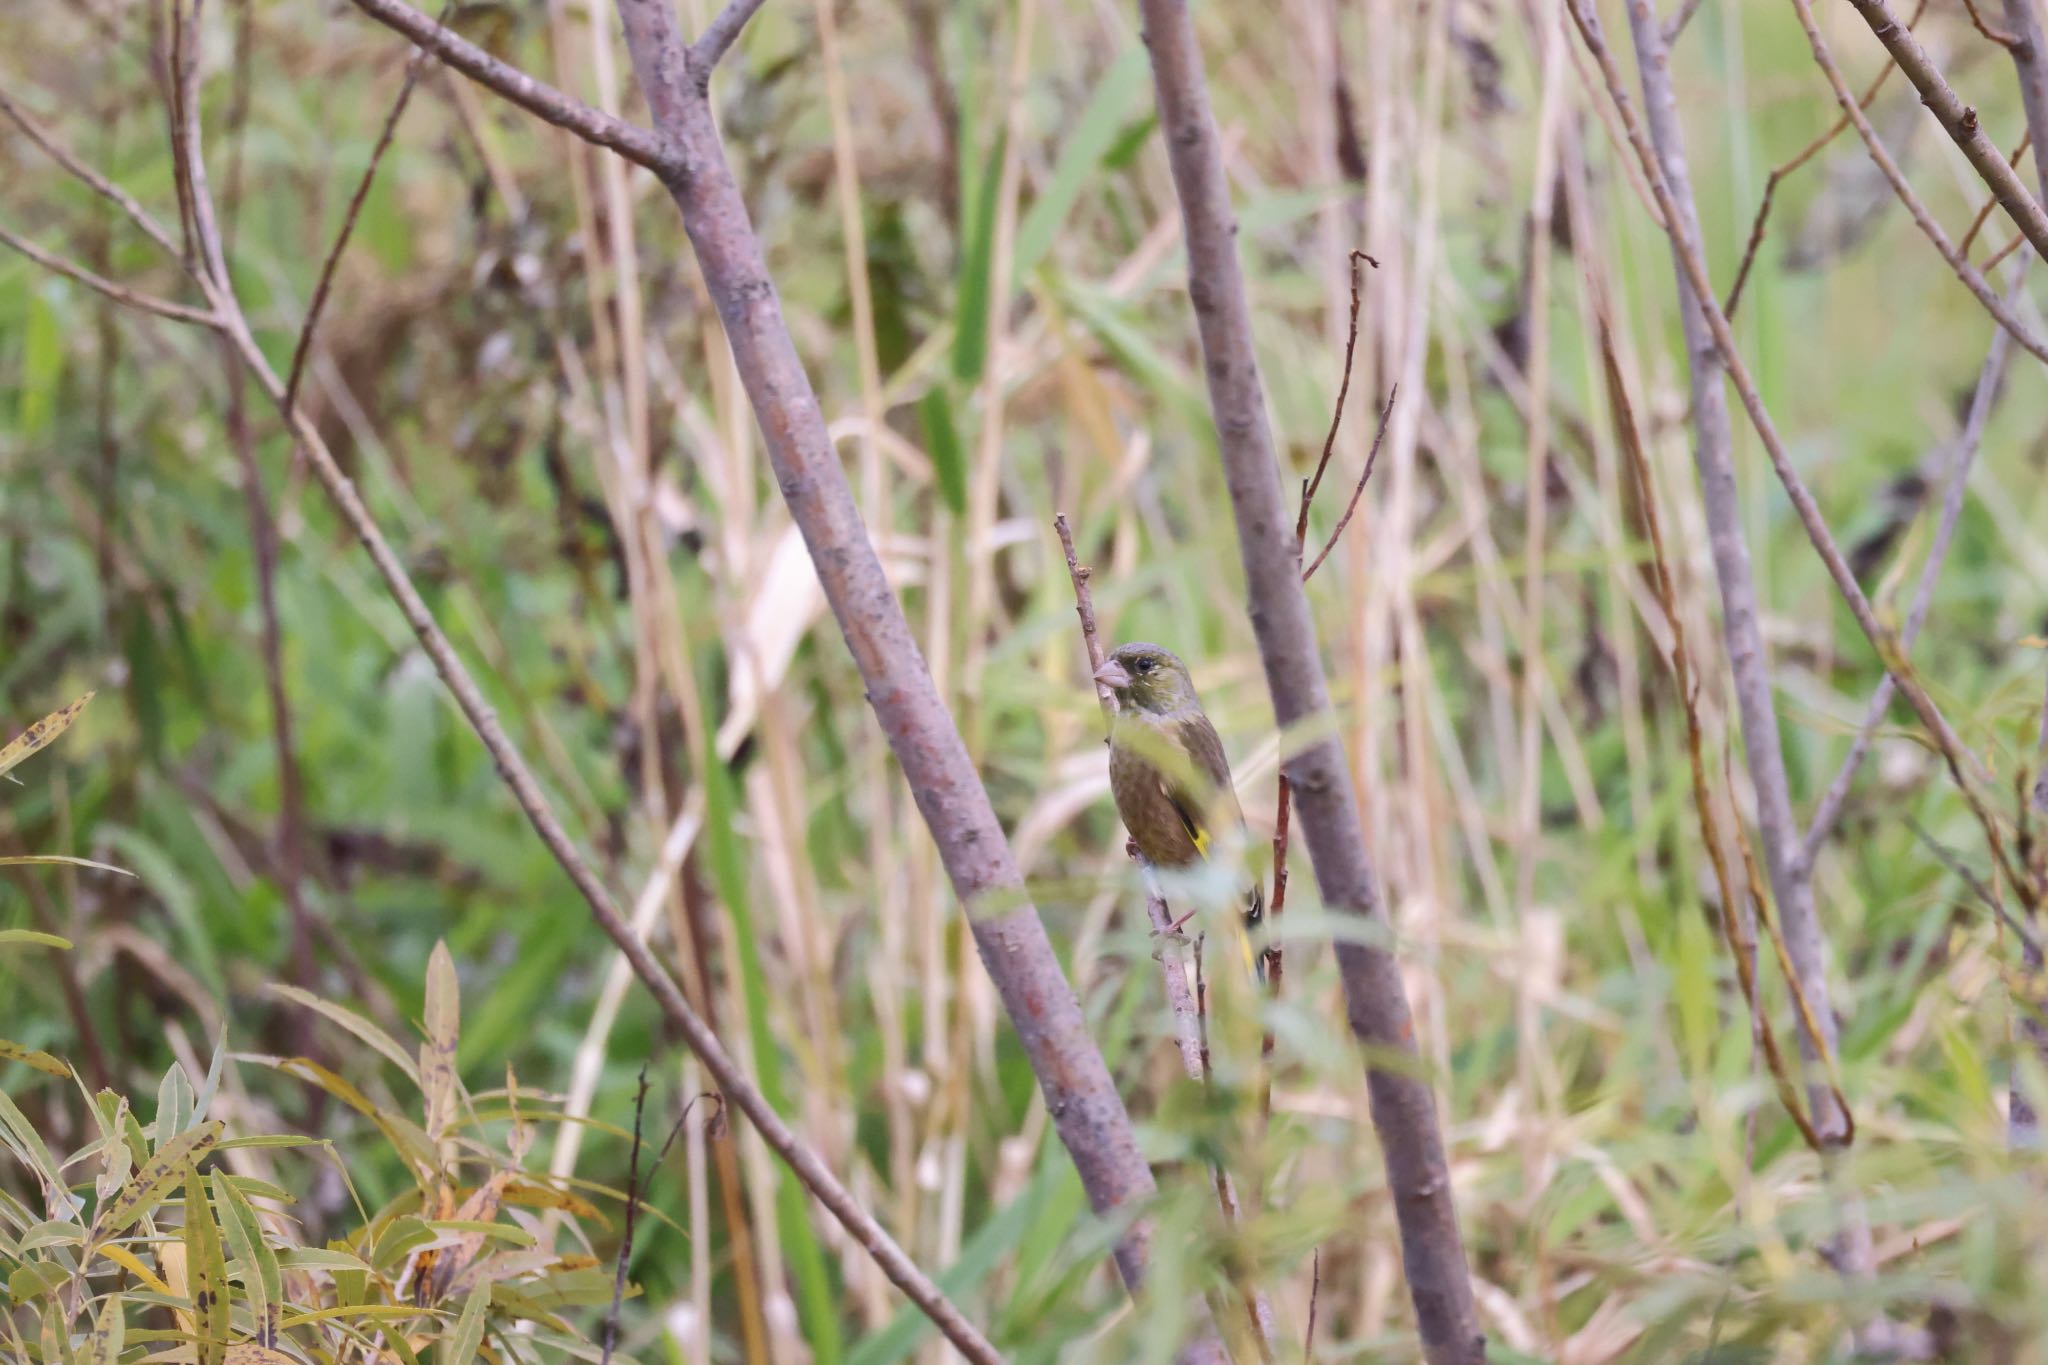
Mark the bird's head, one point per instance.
(1147, 678)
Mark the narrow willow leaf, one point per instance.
(354, 1023)
(469, 1329)
(173, 1103)
(21, 859)
(211, 1086)
(28, 1056)
(942, 442)
(260, 1276)
(1083, 146)
(41, 733)
(154, 1178)
(109, 1331)
(255, 1353)
(21, 1135)
(12, 936)
(207, 1266)
(441, 1024)
(133, 1264)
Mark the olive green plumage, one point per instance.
(1167, 770)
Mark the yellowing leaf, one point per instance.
(154, 1178)
(130, 1262)
(41, 733)
(28, 1056)
(207, 1265)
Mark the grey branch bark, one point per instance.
(1403, 1109)
(1960, 121)
(1714, 454)
(1079, 1092)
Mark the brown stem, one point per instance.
(1403, 1109)
(1372, 458)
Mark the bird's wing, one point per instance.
(1212, 790)
(1205, 755)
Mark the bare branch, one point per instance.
(1963, 765)
(1999, 36)
(1403, 1109)
(594, 126)
(1679, 20)
(1830, 808)
(1793, 163)
(1957, 119)
(148, 303)
(721, 33)
(98, 183)
(1972, 278)
(413, 66)
(1308, 489)
(1372, 458)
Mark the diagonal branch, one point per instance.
(1972, 278)
(119, 293)
(1957, 119)
(594, 126)
(1830, 808)
(721, 33)
(1403, 1109)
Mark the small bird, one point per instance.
(1167, 770)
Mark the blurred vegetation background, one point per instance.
(522, 372)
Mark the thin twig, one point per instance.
(1963, 765)
(1999, 36)
(1957, 119)
(1308, 489)
(1972, 278)
(611, 1317)
(1686, 681)
(1276, 956)
(720, 34)
(1947, 858)
(1984, 209)
(119, 293)
(1798, 159)
(537, 97)
(1988, 379)
(414, 65)
(86, 175)
(1315, 1293)
(1371, 459)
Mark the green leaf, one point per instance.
(469, 1328)
(103, 1346)
(971, 301)
(942, 440)
(354, 1023)
(173, 1103)
(42, 367)
(21, 1136)
(154, 1178)
(260, 1276)
(1083, 146)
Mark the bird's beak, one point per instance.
(1113, 676)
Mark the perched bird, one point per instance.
(1168, 773)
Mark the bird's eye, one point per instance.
(1144, 665)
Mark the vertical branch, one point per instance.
(1713, 453)
(1403, 1109)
